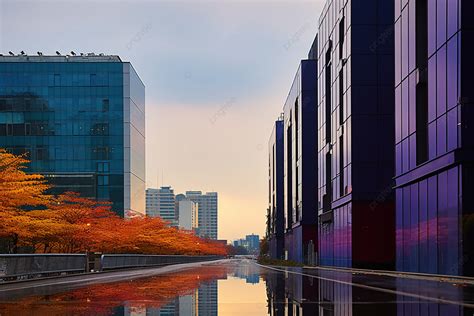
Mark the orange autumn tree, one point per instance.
(18, 188)
(70, 223)
(18, 191)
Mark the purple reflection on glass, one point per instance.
(432, 225)
(441, 22)
(441, 81)
(441, 135)
(432, 89)
(452, 73)
(431, 27)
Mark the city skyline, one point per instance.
(204, 98)
(237, 157)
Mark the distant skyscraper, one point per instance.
(188, 214)
(161, 203)
(253, 241)
(81, 122)
(207, 212)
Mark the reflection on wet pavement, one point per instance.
(240, 287)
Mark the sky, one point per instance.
(217, 74)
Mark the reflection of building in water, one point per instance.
(276, 294)
(301, 294)
(293, 294)
(335, 298)
(202, 301)
(188, 304)
(413, 306)
(169, 309)
(247, 272)
(207, 299)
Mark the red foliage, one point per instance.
(70, 223)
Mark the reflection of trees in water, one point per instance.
(104, 299)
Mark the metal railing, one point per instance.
(123, 261)
(24, 266)
(27, 266)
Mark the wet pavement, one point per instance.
(237, 287)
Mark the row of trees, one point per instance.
(31, 218)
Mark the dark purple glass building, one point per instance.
(276, 225)
(434, 140)
(300, 165)
(355, 127)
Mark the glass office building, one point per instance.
(355, 128)
(276, 223)
(81, 122)
(434, 127)
(300, 165)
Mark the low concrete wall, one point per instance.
(39, 264)
(121, 261)
(26, 266)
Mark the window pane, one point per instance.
(406, 228)
(399, 228)
(452, 129)
(441, 22)
(431, 27)
(452, 73)
(441, 135)
(423, 224)
(441, 81)
(432, 89)
(453, 222)
(432, 225)
(442, 223)
(432, 140)
(414, 228)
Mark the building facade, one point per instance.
(207, 212)
(251, 243)
(300, 165)
(188, 214)
(161, 203)
(81, 122)
(276, 225)
(355, 133)
(434, 127)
